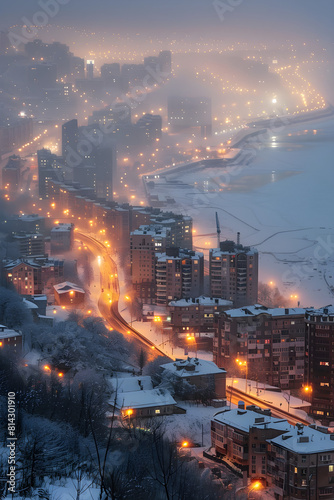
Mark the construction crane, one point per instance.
(218, 231)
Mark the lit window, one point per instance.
(157, 411)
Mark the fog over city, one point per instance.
(167, 249)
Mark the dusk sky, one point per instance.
(251, 18)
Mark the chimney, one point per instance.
(238, 238)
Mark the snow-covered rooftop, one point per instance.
(203, 300)
(130, 384)
(305, 440)
(29, 304)
(6, 333)
(66, 286)
(323, 311)
(192, 367)
(163, 257)
(143, 399)
(56, 313)
(244, 419)
(154, 230)
(217, 252)
(62, 227)
(258, 309)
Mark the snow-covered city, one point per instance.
(166, 250)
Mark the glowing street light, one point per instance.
(254, 487)
(191, 338)
(129, 300)
(243, 364)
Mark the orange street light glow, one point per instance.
(256, 486)
(60, 374)
(185, 444)
(46, 368)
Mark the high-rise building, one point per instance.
(319, 366)
(14, 132)
(179, 274)
(151, 126)
(77, 68)
(42, 76)
(187, 112)
(25, 223)
(269, 344)
(133, 74)
(62, 238)
(234, 273)
(90, 69)
(144, 243)
(47, 170)
(180, 226)
(116, 114)
(105, 164)
(70, 136)
(111, 75)
(165, 61)
(29, 245)
(196, 317)
(11, 174)
(151, 63)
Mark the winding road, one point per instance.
(108, 300)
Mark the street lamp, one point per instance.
(192, 339)
(245, 364)
(129, 300)
(255, 487)
(308, 390)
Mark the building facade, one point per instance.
(10, 340)
(269, 343)
(29, 277)
(234, 273)
(296, 462)
(195, 316)
(319, 366)
(179, 273)
(144, 243)
(62, 238)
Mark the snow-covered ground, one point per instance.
(189, 426)
(281, 202)
(65, 489)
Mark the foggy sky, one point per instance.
(249, 19)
